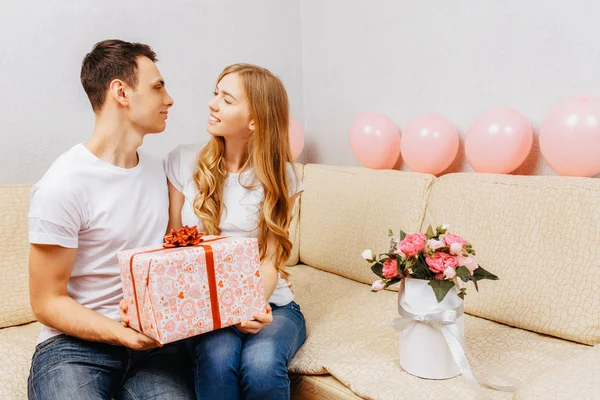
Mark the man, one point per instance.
(98, 198)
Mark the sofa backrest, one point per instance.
(541, 236)
(295, 225)
(345, 210)
(14, 255)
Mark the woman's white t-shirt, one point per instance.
(242, 199)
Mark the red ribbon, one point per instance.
(210, 270)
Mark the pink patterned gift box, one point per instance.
(179, 292)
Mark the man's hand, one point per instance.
(137, 341)
(260, 321)
(124, 317)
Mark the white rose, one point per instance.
(368, 255)
(435, 244)
(377, 285)
(449, 273)
(456, 249)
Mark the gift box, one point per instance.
(192, 284)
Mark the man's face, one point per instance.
(149, 102)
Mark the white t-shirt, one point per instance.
(85, 203)
(240, 215)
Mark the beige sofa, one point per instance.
(539, 324)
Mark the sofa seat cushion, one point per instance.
(319, 387)
(17, 345)
(350, 336)
(577, 377)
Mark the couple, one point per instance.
(105, 195)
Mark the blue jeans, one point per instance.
(64, 367)
(231, 365)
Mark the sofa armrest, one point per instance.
(575, 378)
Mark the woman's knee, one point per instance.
(216, 350)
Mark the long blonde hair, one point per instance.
(267, 152)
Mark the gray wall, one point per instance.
(44, 110)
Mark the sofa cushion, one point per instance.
(576, 378)
(14, 255)
(541, 236)
(319, 387)
(350, 336)
(17, 345)
(346, 210)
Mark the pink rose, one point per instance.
(413, 244)
(390, 268)
(440, 261)
(449, 239)
(377, 285)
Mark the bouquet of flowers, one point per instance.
(440, 257)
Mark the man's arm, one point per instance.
(50, 267)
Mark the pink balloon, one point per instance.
(375, 140)
(570, 137)
(429, 144)
(498, 141)
(296, 137)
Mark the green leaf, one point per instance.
(390, 233)
(402, 235)
(481, 273)
(440, 288)
(476, 285)
(377, 269)
(462, 293)
(463, 273)
(420, 269)
(390, 282)
(430, 233)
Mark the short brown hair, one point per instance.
(108, 60)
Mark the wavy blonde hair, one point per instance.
(267, 152)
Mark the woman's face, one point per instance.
(229, 111)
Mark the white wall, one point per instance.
(458, 58)
(337, 59)
(43, 108)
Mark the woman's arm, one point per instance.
(176, 200)
(270, 278)
(267, 267)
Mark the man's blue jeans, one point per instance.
(231, 365)
(64, 367)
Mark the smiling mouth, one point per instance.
(214, 119)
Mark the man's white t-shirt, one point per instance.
(240, 215)
(100, 209)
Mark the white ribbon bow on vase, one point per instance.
(445, 322)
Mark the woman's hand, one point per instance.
(260, 321)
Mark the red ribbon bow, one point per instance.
(184, 236)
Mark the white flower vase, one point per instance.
(424, 351)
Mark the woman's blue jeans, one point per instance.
(231, 365)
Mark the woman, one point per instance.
(241, 183)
